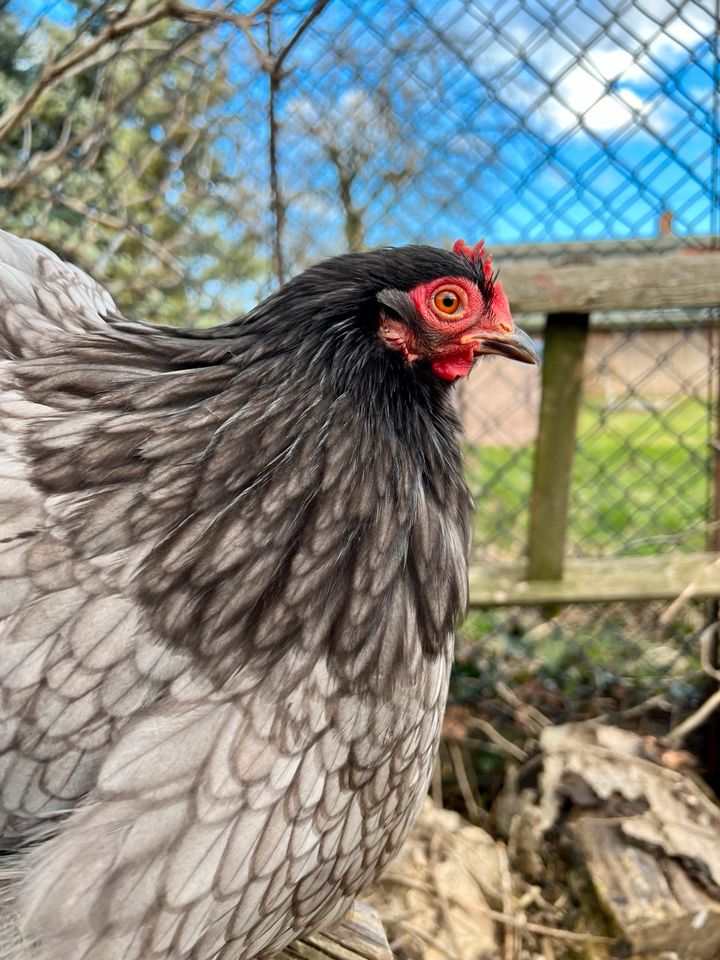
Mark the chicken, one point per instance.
(231, 562)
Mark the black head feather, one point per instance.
(293, 484)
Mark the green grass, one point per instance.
(640, 483)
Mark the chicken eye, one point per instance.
(446, 301)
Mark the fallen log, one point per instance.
(648, 834)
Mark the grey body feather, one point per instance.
(230, 566)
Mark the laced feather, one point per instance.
(232, 566)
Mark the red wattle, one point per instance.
(454, 365)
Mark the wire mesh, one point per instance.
(589, 659)
(219, 147)
(516, 671)
(646, 454)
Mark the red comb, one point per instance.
(474, 254)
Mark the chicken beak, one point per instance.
(516, 345)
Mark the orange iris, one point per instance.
(446, 301)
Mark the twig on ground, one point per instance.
(526, 710)
(445, 908)
(507, 746)
(657, 702)
(687, 594)
(426, 938)
(511, 942)
(458, 764)
(547, 949)
(528, 926)
(676, 737)
(708, 640)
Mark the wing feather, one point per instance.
(193, 586)
(175, 847)
(78, 657)
(42, 297)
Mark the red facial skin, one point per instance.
(452, 356)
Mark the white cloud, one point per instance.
(581, 95)
(682, 27)
(613, 83)
(615, 111)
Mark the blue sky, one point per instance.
(522, 121)
(541, 121)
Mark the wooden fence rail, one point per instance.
(565, 282)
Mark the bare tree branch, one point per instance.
(277, 203)
(83, 56)
(289, 46)
(273, 64)
(211, 17)
(121, 225)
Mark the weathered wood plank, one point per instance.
(562, 378)
(642, 246)
(603, 580)
(648, 834)
(579, 278)
(655, 905)
(360, 936)
(692, 318)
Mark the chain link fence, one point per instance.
(643, 480)
(191, 157)
(643, 484)
(194, 155)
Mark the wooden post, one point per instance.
(359, 936)
(563, 356)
